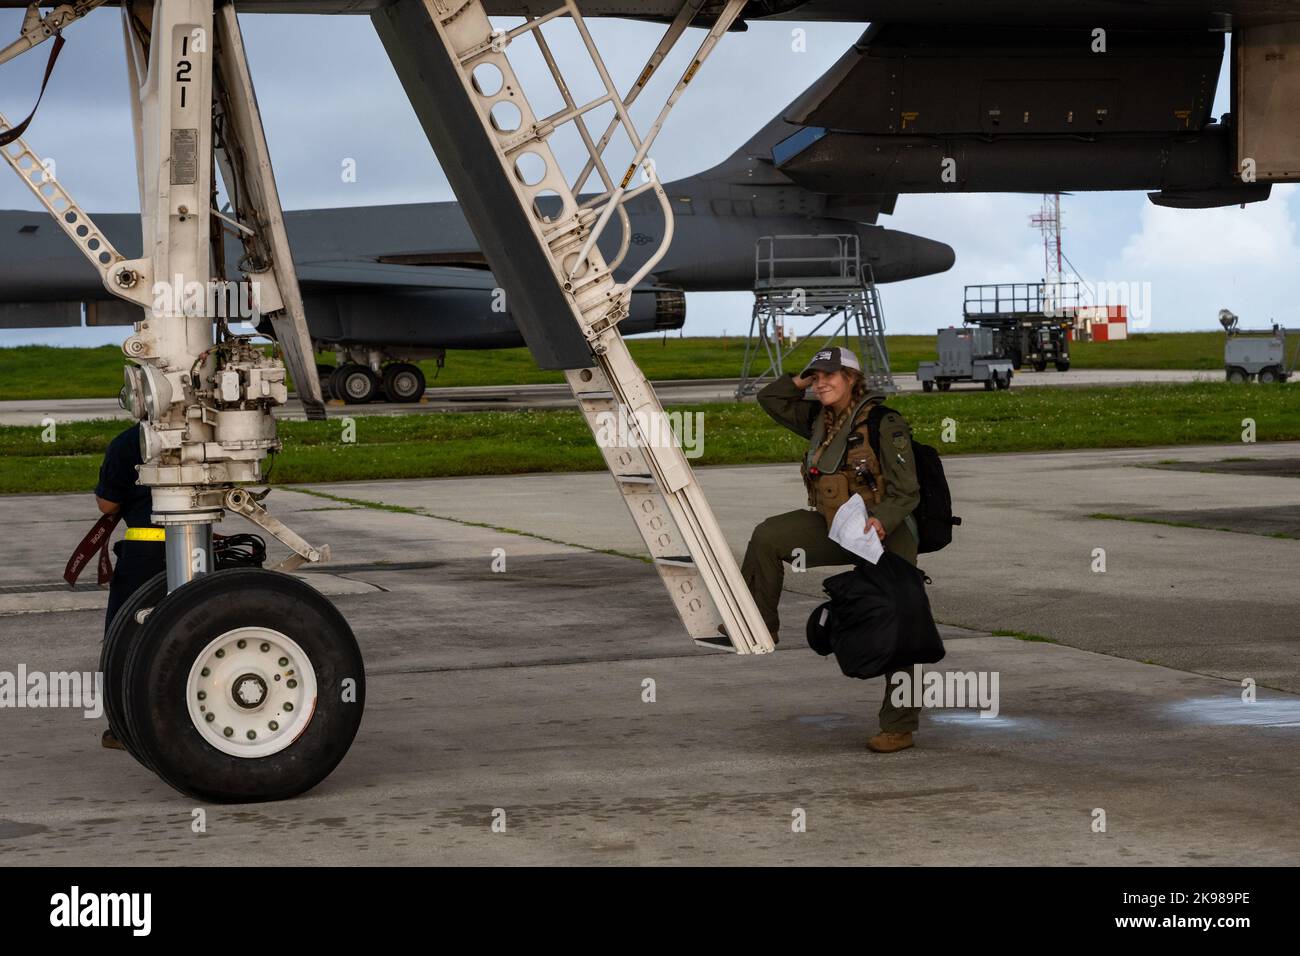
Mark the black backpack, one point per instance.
(933, 516)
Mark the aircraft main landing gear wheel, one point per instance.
(243, 685)
(403, 382)
(354, 383)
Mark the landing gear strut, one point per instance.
(240, 684)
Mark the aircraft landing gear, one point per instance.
(241, 685)
(403, 382)
(354, 383)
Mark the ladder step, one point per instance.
(677, 561)
(718, 643)
(635, 479)
(595, 396)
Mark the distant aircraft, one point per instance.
(934, 97)
(387, 285)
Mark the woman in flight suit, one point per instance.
(839, 463)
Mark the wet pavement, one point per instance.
(522, 697)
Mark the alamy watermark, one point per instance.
(651, 428)
(75, 908)
(42, 689)
(216, 298)
(1134, 295)
(960, 689)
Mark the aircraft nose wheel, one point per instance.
(251, 692)
(239, 686)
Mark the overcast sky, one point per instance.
(328, 93)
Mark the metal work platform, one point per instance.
(1020, 300)
(1030, 321)
(813, 276)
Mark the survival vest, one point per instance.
(848, 466)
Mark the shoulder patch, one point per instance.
(899, 440)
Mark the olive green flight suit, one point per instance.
(775, 540)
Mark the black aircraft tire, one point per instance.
(270, 636)
(118, 639)
(403, 382)
(354, 384)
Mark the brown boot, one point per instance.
(110, 742)
(887, 743)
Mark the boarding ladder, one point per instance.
(653, 475)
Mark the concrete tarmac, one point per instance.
(522, 693)
(498, 398)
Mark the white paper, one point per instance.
(848, 530)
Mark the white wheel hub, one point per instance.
(357, 385)
(404, 383)
(251, 692)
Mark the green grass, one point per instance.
(1140, 519)
(1025, 636)
(1107, 516)
(493, 443)
(40, 371)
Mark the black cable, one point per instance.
(238, 550)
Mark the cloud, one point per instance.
(1262, 235)
(1194, 262)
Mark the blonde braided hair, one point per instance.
(835, 421)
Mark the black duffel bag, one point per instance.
(877, 620)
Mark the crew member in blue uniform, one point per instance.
(140, 554)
